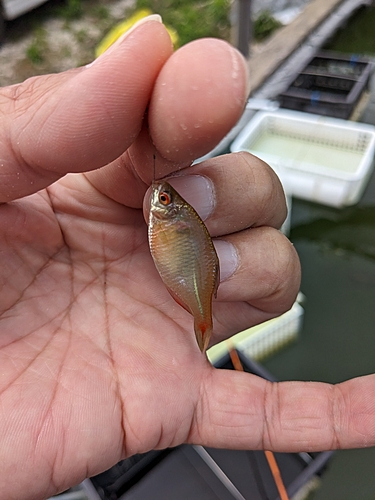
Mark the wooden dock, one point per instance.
(265, 61)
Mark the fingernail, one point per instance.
(228, 258)
(198, 191)
(144, 20)
(152, 17)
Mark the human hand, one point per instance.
(97, 361)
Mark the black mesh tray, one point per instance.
(331, 84)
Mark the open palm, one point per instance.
(97, 361)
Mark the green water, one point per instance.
(302, 150)
(358, 35)
(337, 342)
(337, 252)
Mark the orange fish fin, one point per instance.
(178, 300)
(203, 332)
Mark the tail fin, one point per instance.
(203, 332)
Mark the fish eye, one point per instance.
(164, 198)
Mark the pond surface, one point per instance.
(337, 252)
(358, 35)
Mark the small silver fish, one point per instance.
(184, 256)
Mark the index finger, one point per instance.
(81, 119)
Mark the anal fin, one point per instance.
(177, 299)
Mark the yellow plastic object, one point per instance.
(124, 26)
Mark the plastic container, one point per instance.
(84, 491)
(265, 339)
(261, 341)
(331, 84)
(324, 160)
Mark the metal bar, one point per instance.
(90, 490)
(314, 467)
(244, 25)
(219, 473)
(70, 495)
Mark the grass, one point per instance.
(38, 51)
(264, 25)
(193, 19)
(72, 9)
(101, 12)
(35, 52)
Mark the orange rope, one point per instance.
(237, 365)
(236, 362)
(276, 475)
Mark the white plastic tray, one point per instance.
(263, 340)
(323, 159)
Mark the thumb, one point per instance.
(81, 119)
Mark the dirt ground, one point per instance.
(47, 41)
